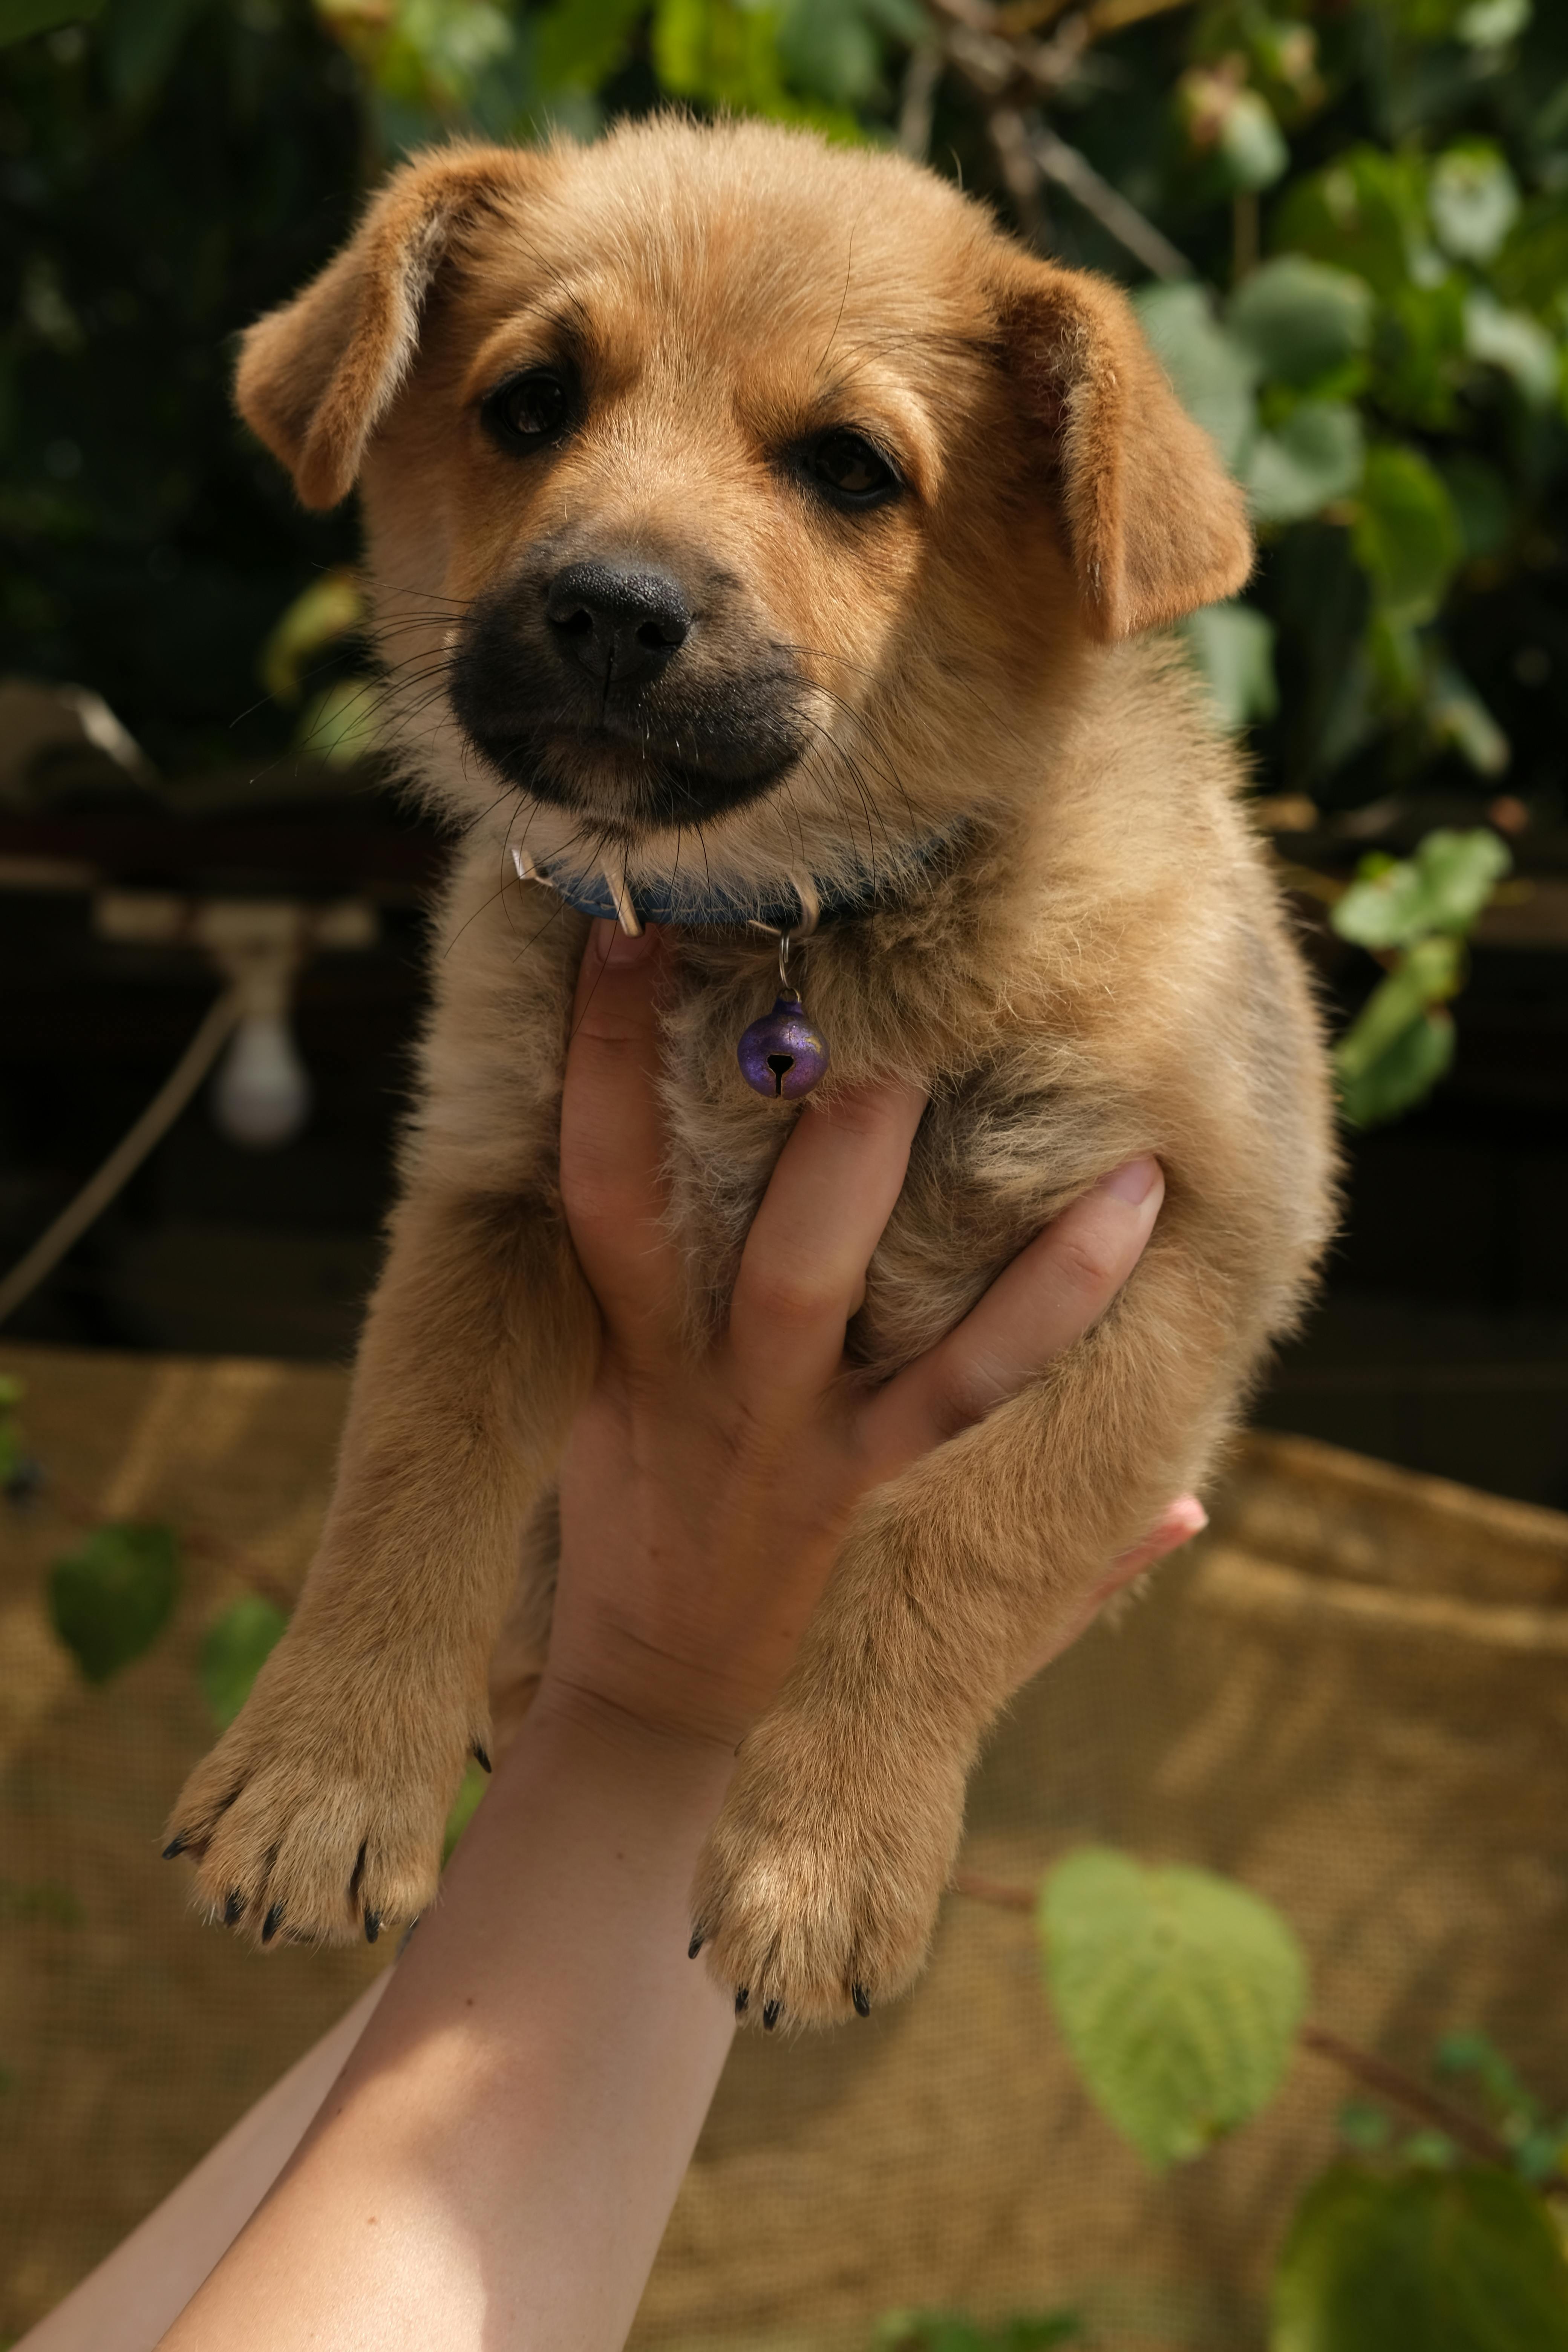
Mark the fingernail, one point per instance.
(695, 1945)
(481, 1759)
(175, 1846)
(371, 1925)
(619, 947)
(272, 1922)
(233, 1907)
(1132, 1182)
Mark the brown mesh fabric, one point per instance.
(1353, 1695)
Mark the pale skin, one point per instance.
(493, 2166)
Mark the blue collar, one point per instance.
(589, 894)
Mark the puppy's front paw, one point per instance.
(817, 1890)
(320, 1813)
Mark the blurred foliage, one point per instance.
(234, 1650)
(1412, 914)
(937, 2331)
(1373, 195)
(112, 1598)
(1180, 1996)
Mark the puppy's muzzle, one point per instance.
(620, 627)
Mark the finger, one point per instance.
(1052, 1292)
(1178, 1525)
(612, 1134)
(803, 1268)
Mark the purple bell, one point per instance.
(782, 1055)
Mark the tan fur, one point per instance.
(1099, 966)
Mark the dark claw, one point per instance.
(770, 2015)
(175, 1846)
(741, 1998)
(695, 1945)
(272, 1922)
(371, 1925)
(861, 1998)
(234, 1908)
(481, 1759)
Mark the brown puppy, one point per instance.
(750, 521)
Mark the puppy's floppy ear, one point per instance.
(1155, 526)
(316, 377)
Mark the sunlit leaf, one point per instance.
(1462, 2260)
(1517, 344)
(1301, 319)
(1488, 24)
(1406, 535)
(1252, 143)
(1233, 646)
(329, 608)
(1474, 199)
(236, 1647)
(1307, 463)
(1178, 1993)
(112, 1598)
(1457, 716)
(341, 724)
(1443, 888)
(1365, 213)
(1215, 374)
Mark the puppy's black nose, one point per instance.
(621, 625)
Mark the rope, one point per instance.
(128, 1154)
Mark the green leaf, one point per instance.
(1431, 2262)
(937, 2331)
(1517, 344)
(1301, 319)
(1215, 374)
(1178, 1994)
(141, 40)
(1441, 889)
(1251, 143)
(1233, 646)
(465, 1805)
(111, 1599)
(234, 1652)
(329, 608)
(341, 724)
(1365, 213)
(580, 42)
(1406, 536)
(21, 18)
(1488, 24)
(1456, 716)
(1482, 501)
(1315, 456)
(1474, 199)
(1382, 1076)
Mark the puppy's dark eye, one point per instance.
(851, 472)
(530, 408)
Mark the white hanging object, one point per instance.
(261, 1096)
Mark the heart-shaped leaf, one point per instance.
(1179, 1995)
(111, 1599)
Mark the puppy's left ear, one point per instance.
(318, 376)
(1155, 526)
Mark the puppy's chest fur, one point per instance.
(1010, 1134)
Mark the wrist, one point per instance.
(638, 1727)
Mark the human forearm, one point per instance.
(498, 2161)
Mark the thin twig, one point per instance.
(1001, 1891)
(1110, 207)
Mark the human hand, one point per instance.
(704, 1496)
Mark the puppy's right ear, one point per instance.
(317, 377)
